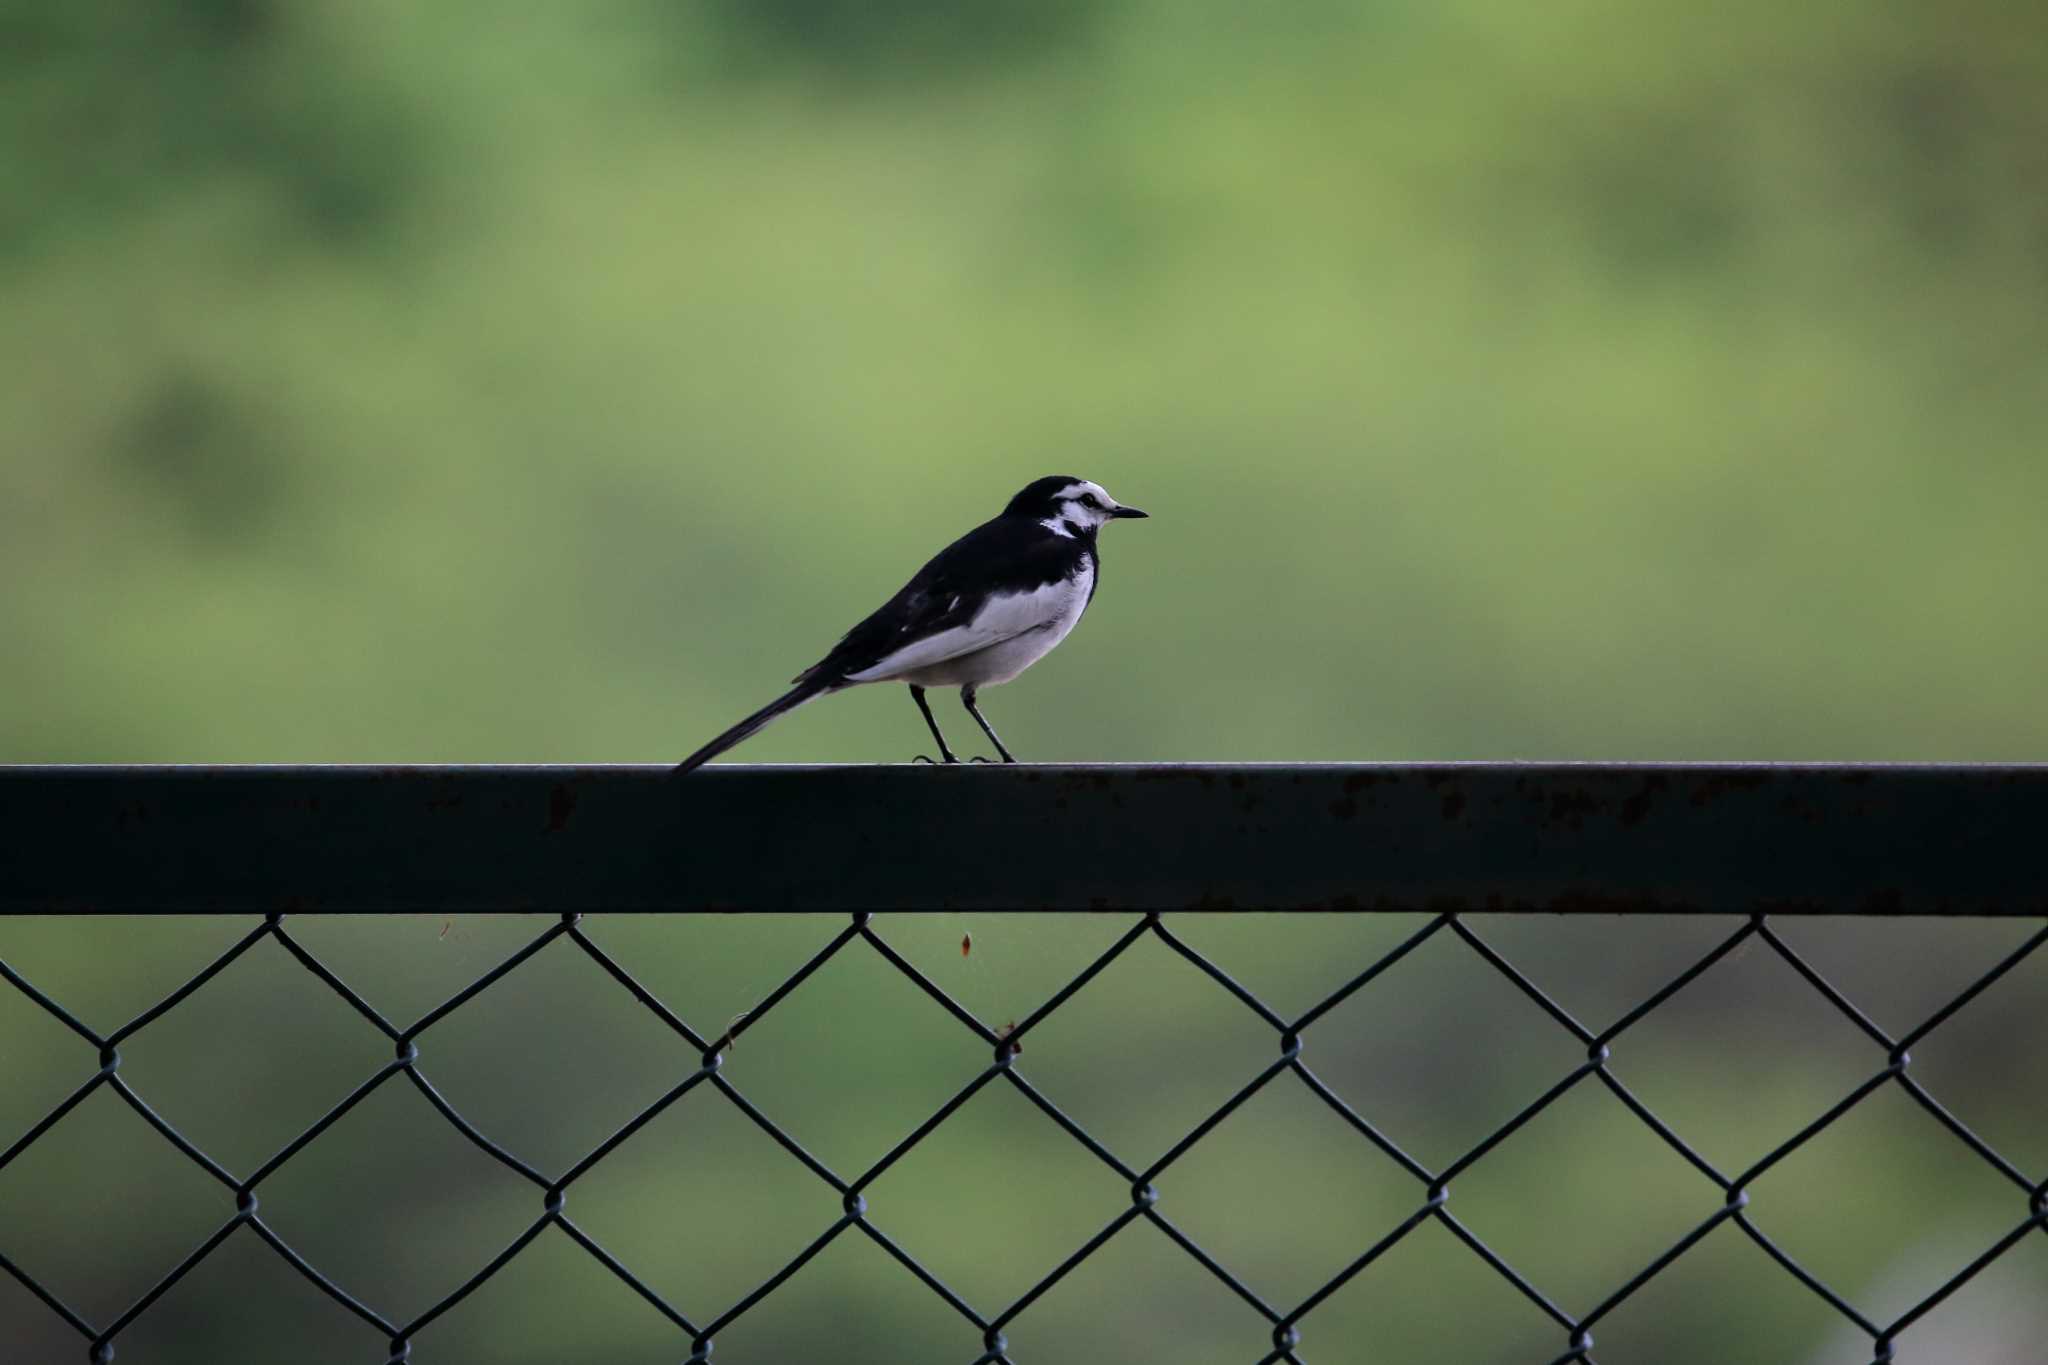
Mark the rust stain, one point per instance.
(1802, 811)
(1638, 806)
(1714, 786)
(1180, 774)
(1570, 807)
(561, 805)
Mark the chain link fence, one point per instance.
(1723, 1195)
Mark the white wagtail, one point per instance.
(985, 608)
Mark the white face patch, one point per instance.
(1086, 505)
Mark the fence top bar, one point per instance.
(1665, 837)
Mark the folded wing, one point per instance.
(1001, 618)
(955, 605)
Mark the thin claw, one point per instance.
(924, 758)
(981, 758)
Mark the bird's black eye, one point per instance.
(1088, 500)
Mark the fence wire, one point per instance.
(1724, 1195)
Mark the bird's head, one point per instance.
(1071, 506)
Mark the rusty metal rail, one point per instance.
(1783, 839)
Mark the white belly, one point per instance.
(1042, 618)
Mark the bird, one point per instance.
(979, 613)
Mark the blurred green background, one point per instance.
(463, 382)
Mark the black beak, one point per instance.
(1126, 512)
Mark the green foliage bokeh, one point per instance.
(442, 383)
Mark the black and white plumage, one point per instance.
(984, 609)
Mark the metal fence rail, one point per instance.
(1747, 843)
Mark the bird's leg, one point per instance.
(945, 755)
(967, 700)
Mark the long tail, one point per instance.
(782, 705)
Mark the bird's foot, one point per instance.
(935, 762)
(982, 758)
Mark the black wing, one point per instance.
(1009, 554)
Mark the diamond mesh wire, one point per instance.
(1724, 1195)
